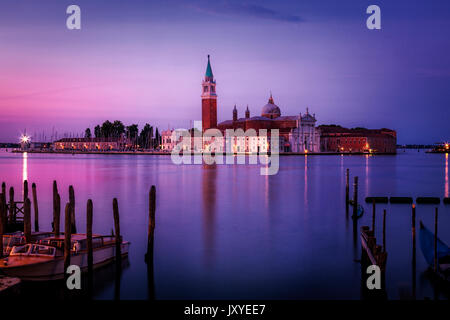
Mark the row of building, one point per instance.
(298, 133)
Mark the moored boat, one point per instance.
(18, 238)
(428, 249)
(45, 260)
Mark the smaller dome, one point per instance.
(271, 110)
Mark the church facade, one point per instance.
(297, 133)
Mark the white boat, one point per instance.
(45, 260)
(18, 238)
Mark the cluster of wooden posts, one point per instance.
(14, 209)
(376, 254)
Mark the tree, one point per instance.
(145, 138)
(87, 133)
(132, 133)
(107, 129)
(98, 131)
(118, 129)
(157, 141)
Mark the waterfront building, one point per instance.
(167, 142)
(91, 144)
(338, 139)
(306, 136)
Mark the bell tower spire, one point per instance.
(209, 99)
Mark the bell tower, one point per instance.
(209, 100)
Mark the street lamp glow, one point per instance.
(24, 138)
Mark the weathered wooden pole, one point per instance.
(384, 230)
(4, 209)
(55, 192)
(90, 250)
(355, 197)
(2, 226)
(27, 220)
(12, 206)
(117, 230)
(57, 215)
(25, 190)
(4, 204)
(67, 239)
(347, 189)
(150, 244)
(151, 221)
(413, 231)
(118, 250)
(373, 216)
(36, 209)
(72, 205)
(435, 240)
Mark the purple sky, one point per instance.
(143, 61)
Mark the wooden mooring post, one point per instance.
(72, 206)
(435, 240)
(35, 206)
(355, 197)
(57, 215)
(27, 220)
(384, 230)
(25, 190)
(150, 243)
(117, 230)
(2, 225)
(4, 210)
(12, 206)
(90, 252)
(55, 191)
(373, 216)
(3, 187)
(118, 241)
(67, 238)
(347, 190)
(151, 222)
(413, 232)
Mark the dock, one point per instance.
(9, 286)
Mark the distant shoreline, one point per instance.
(160, 153)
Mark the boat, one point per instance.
(443, 147)
(18, 238)
(44, 261)
(443, 252)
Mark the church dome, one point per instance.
(271, 110)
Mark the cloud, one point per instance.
(250, 10)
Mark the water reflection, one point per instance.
(204, 213)
(446, 175)
(306, 181)
(209, 176)
(367, 174)
(24, 166)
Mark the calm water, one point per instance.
(228, 232)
